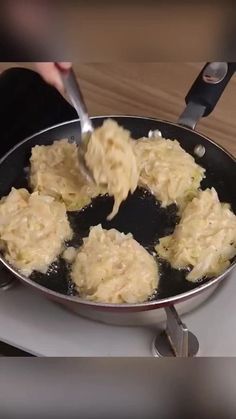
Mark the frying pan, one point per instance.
(139, 214)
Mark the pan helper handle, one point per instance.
(176, 340)
(206, 91)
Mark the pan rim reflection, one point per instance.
(144, 306)
(117, 116)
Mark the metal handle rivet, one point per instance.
(199, 150)
(154, 134)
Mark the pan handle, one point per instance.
(206, 91)
(176, 340)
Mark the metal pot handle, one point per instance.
(176, 340)
(205, 92)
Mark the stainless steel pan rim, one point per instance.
(149, 305)
(119, 116)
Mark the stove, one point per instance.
(30, 322)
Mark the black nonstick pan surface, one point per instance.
(141, 214)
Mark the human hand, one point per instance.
(50, 73)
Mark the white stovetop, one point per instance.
(32, 323)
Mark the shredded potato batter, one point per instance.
(33, 229)
(112, 267)
(167, 170)
(111, 159)
(55, 171)
(205, 238)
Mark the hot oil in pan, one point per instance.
(141, 215)
(56, 279)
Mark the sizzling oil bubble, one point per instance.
(153, 296)
(53, 268)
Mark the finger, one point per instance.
(50, 74)
(65, 65)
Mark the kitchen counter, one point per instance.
(33, 324)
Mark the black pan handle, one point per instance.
(206, 91)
